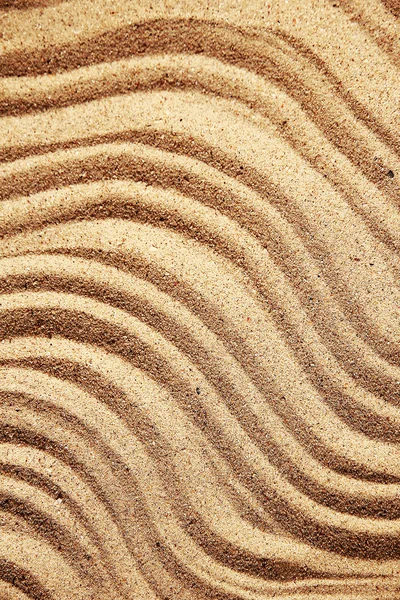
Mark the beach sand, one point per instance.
(199, 300)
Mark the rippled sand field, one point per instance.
(199, 300)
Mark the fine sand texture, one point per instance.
(199, 300)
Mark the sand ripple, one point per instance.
(199, 319)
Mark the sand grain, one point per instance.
(199, 300)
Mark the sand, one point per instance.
(199, 300)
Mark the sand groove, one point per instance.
(199, 314)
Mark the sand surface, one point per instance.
(199, 300)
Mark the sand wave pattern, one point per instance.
(199, 322)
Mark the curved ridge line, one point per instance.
(279, 227)
(98, 472)
(74, 400)
(57, 479)
(383, 347)
(158, 314)
(124, 233)
(180, 68)
(52, 523)
(280, 586)
(271, 427)
(393, 358)
(56, 436)
(28, 553)
(13, 384)
(196, 36)
(158, 343)
(368, 300)
(14, 577)
(123, 192)
(77, 348)
(377, 24)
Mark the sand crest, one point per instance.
(199, 300)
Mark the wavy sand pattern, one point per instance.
(199, 301)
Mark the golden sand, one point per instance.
(199, 300)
